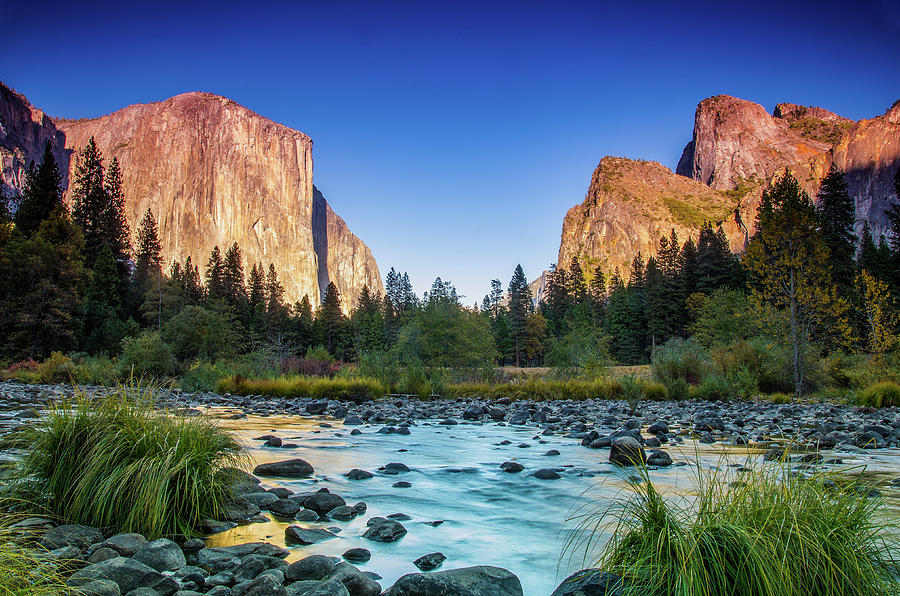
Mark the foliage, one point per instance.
(770, 533)
(146, 354)
(26, 569)
(538, 390)
(199, 332)
(357, 390)
(881, 316)
(881, 395)
(761, 363)
(680, 359)
(721, 318)
(120, 464)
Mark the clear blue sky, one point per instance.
(454, 136)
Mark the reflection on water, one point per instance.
(490, 517)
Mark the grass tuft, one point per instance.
(120, 464)
(357, 390)
(26, 568)
(772, 533)
(881, 395)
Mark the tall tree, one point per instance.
(331, 319)
(233, 278)
(41, 195)
(276, 312)
(838, 215)
(148, 258)
(520, 307)
(788, 260)
(215, 275)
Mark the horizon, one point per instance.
(520, 117)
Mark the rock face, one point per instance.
(24, 130)
(630, 204)
(736, 150)
(213, 172)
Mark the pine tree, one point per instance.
(714, 260)
(148, 259)
(577, 287)
(303, 324)
(368, 322)
(520, 307)
(557, 301)
(233, 279)
(655, 292)
(597, 290)
(215, 276)
(331, 318)
(257, 298)
(276, 312)
(868, 252)
(838, 215)
(41, 195)
(115, 227)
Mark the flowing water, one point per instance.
(490, 517)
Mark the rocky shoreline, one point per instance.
(129, 564)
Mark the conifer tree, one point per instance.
(233, 278)
(215, 276)
(331, 318)
(148, 259)
(41, 195)
(838, 215)
(257, 298)
(557, 301)
(520, 307)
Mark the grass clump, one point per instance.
(120, 464)
(771, 533)
(358, 389)
(881, 395)
(538, 390)
(26, 569)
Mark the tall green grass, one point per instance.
(24, 568)
(538, 390)
(119, 463)
(357, 390)
(881, 395)
(770, 533)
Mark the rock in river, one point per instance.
(384, 530)
(592, 582)
(627, 451)
(298, 535)
(289, 468)
(468, 581)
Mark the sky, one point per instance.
(454, 136)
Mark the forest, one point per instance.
(808, 306)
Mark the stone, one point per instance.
(264, 585)
(331, 587)
(357, 555)
(317, 407)
(659, 457)
(162, 555)
(430, 561)
(71, 535)
(384, 530)
(590, 582)
(262, 500)
(627, 451)
(102, 554)
(512, 467)
(298, 535)
(125, 544)
(287, 507)
(289, 468)
(356, 582)
(313, 567)
(342, 513)
(323, 502)
(546, 474)
(128, 574)
(306, 515)
(466, 581)
(394, 468)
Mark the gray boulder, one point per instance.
(162, 555)
(264, 585)
(298, 535)
(71, 535)
(384, 530)
(289, 468)
(590, 582)
(468, 581)
(314, 567)
(627, 451)
(324, 502)
(128, 574)
(125, 544)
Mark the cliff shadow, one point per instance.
(320, 240)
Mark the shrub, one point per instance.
(203, 375)
(357, 390)
(312, 367)
(146, 354)
(120, 464)
(318, 353)
(680, 359)
(654, 391)
(880, 395)
(768, 363)
(780, 398)
(198, 332)
(94, 370)
(770, 534)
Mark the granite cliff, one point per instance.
(736, 150)
(214, 173)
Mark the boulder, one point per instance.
(590, 582)
(289, 468)
(162, 555)
(125, 544)
(322, 503)
(384, 530)
(127, 574)
(314, 567)
(71, 535)
(298, 535)
(627, 451)
(430, 561)
(467, 581)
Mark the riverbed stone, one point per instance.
(357, 555)
(71, 535)
(512, 467)
(466, 581)
(331, 587)
(590, 582)
(546, 474)
(262, 499)
(430, 561)
(384, 530)
(357, 474)
(162, 555)
(342, 513)
(126, 544)
(658, 457)
(264, 585)
(287, 507)
(289, 468)
(313, 567)
(323, 502)
(627, 451)
(128, 574)
(298, 535)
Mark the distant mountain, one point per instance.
(213, 172)
(736, 150)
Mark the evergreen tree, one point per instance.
(714, 260)
(655, 293)
(233, 279)
(115, 227)
(520, 307)
(104, 325)
(276, 313)
(368, 323)
(147, 260)
(838, 215)
(303, 322)
(215, 276)
(597, 290)
(576, 285)
(331, 319)
(868, 252)
(41, 195)
(557, 301)
(256, 299)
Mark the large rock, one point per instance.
(75, 535)
(323, 502)
(214, 173)
(627, 451)
(125, 544)
(289, 468)
(590, 582)
(162, 555)
(128, 574)
(384, 530)
(468, 581)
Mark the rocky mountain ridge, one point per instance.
(213, 172)
(737, 148)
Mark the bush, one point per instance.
(770, 534)
(118, 463)
(55, 369)
(146, 354)
(357, 390)
(654, 391)
(312, 367)
(680, 359)
(198, 332)
(881, 395)
(539, 390)
(767, 363)
(94, 370)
